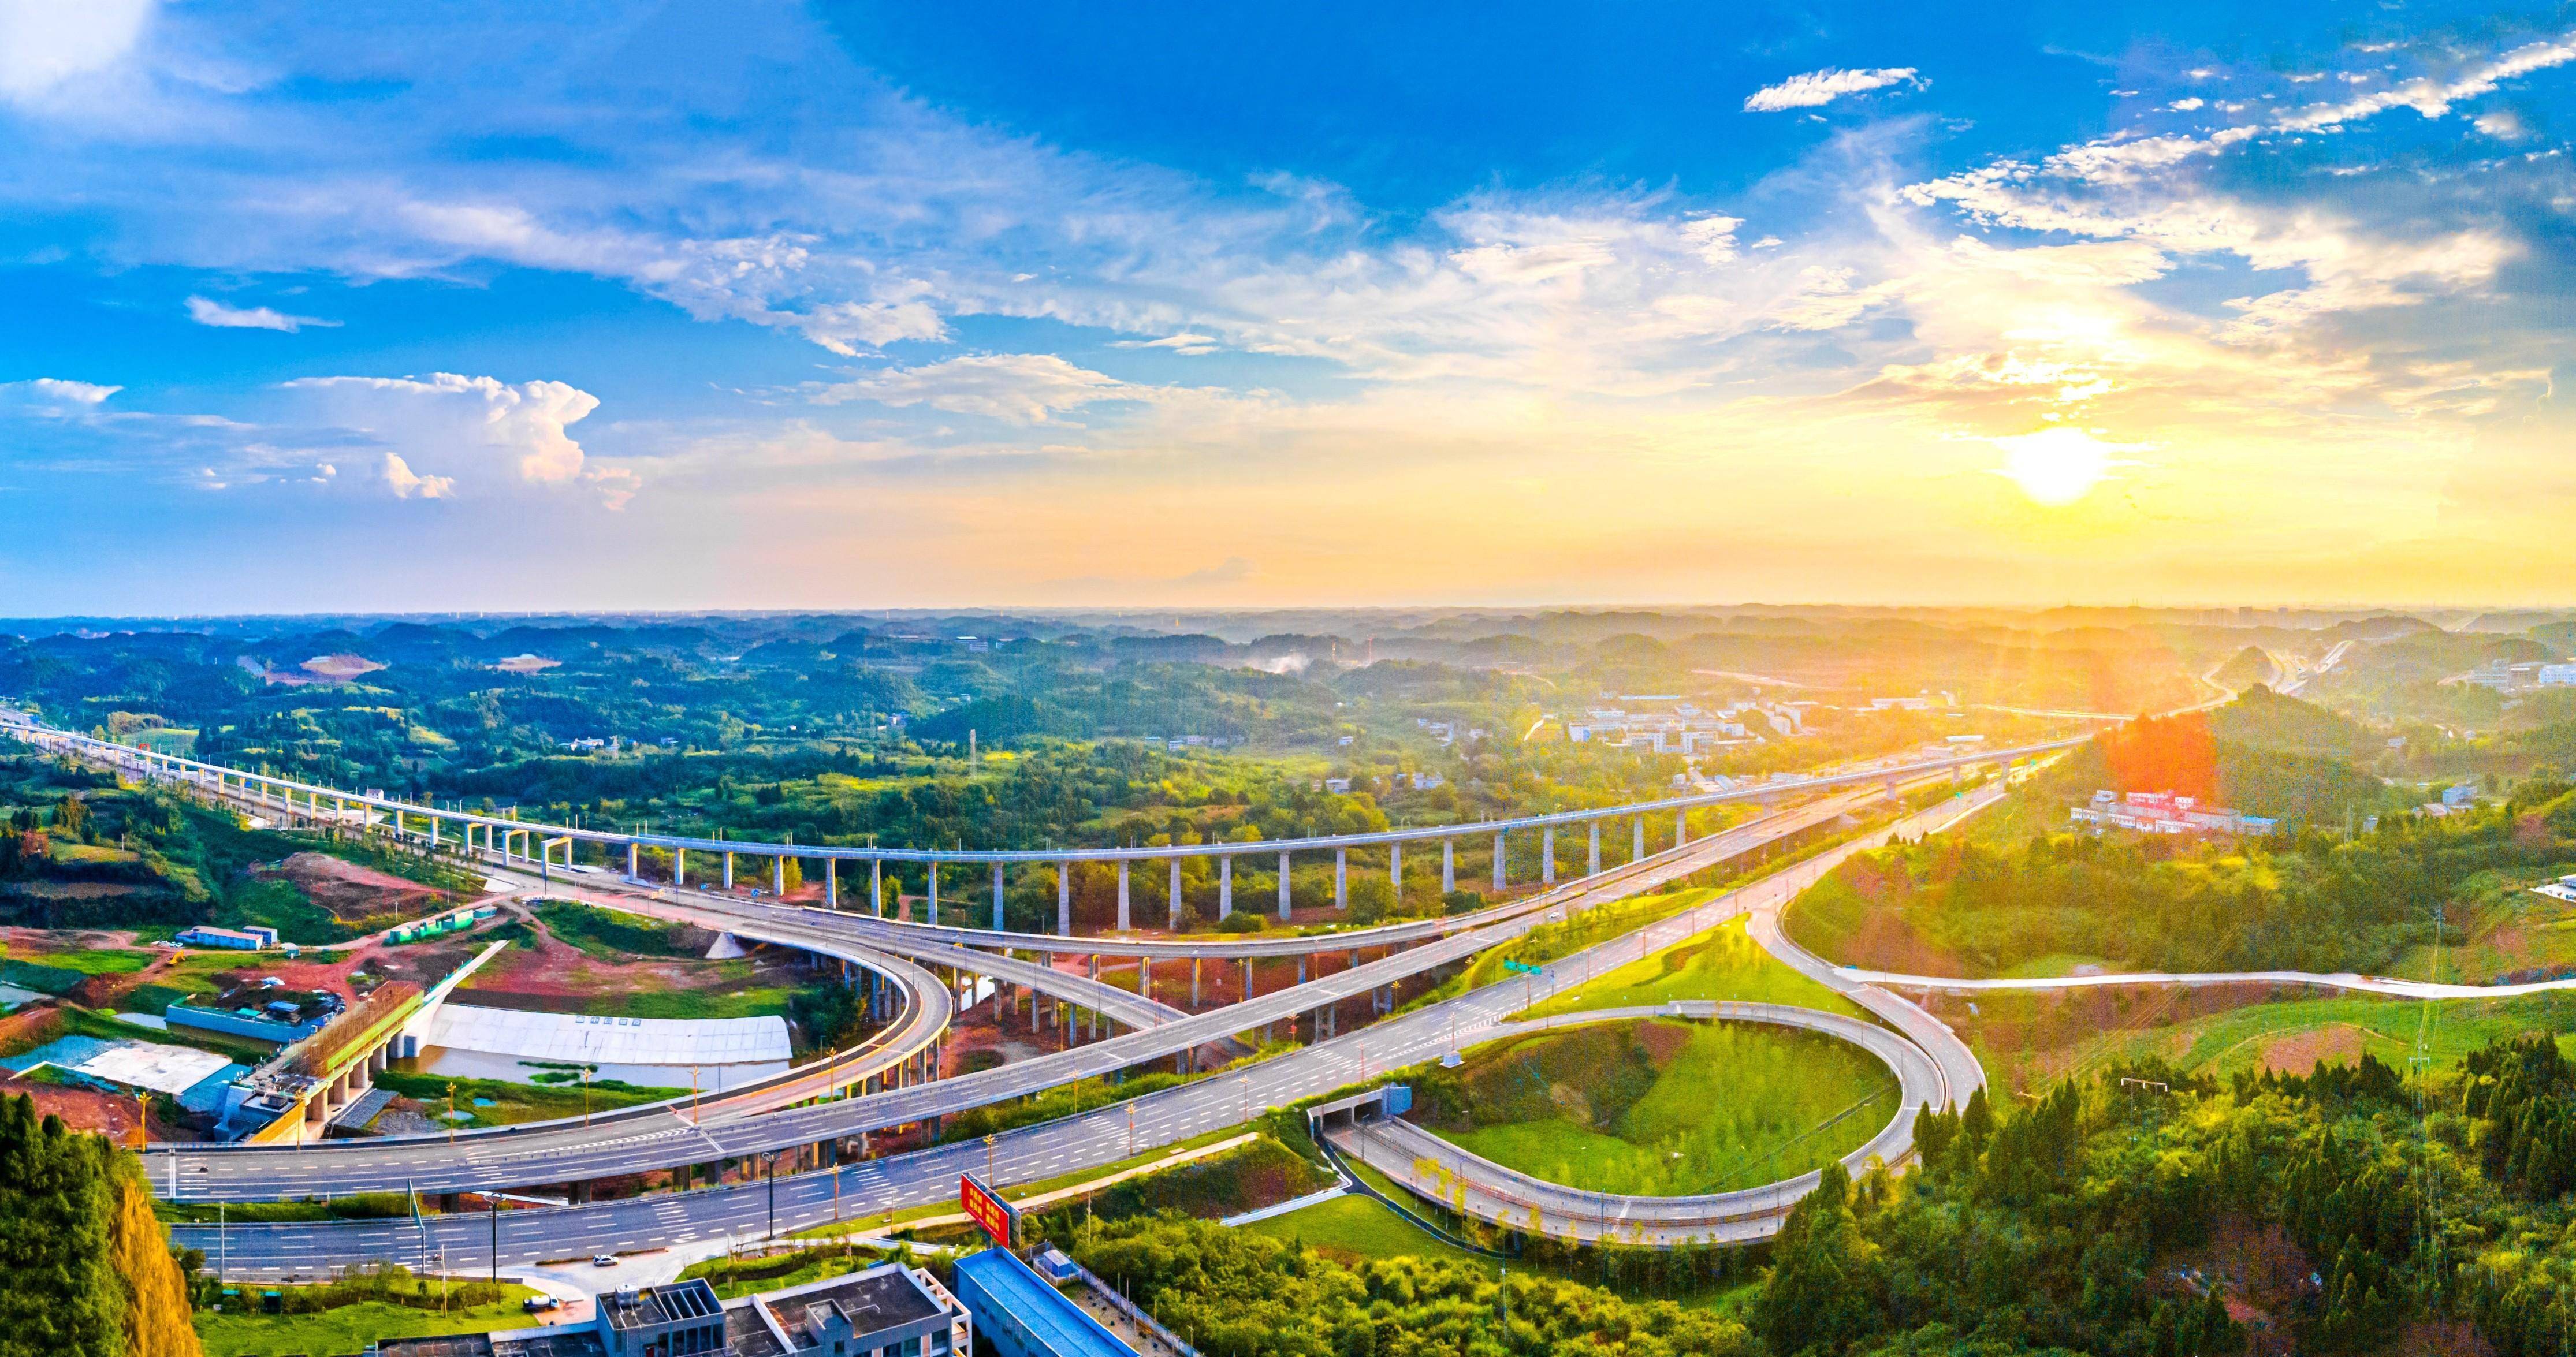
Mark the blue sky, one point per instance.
(850, 305)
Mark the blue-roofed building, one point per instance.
(1021, 1315)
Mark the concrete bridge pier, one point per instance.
(1681, 828)
(998, 889)
(1448, 866)
(1064, 899)
(633, 855)
(1123, 924)
(933, 875)
(1592, 865)
(728, 871)
(1194, 982)
(1547, 855)
(1502, 863)
(1224, 888)
(1637, 839)
(1247, 978)
(679, 865)
(876, 887)
(1341, 878)
(778, 875)
(831, 883)
(1283, 886)
(1395, 869)
(1176, 895)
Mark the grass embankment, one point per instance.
(350, 1328)
(1263, 1173)
(1550, 942)
(1661, 1108)
(612, 935)
(2029, 1041)
(355, 1206)
(1723, 963)
(733, 1277)
(2507, 931)
(498, 1102)
(1352, 1230)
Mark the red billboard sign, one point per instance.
(986, 1208)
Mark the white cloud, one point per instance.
(400, 478)
(2502, 124)
(46, 43)
(451, 424)
(1017, 388)
(63, 392)
(1817, 88)
(1183, 343)
(206, 311)
(2187, 105)
(2433, 97)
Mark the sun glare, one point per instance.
(2056, 467)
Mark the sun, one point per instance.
(2057, 467)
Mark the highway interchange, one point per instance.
(897, 1182)
(832, 1104)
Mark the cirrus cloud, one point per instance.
(209, 312)
(1818, 88)
(1016, 388)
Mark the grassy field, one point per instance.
(2055, 964)
(1663, 1108)
(611, 935)
(1723, 963)
(497, 1102)
(2512, 932)
(96, 960)
(732, 1277)
(2027, 1042)
(1354, 1229)
(348, 1328)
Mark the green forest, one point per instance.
(89, 1272)
(80, 850)
(2140, 1212)
(2304, 901)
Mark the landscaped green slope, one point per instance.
(1662, 1108)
